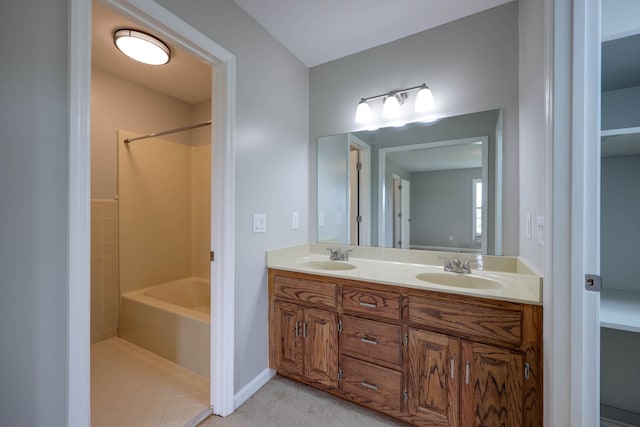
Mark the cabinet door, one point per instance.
(433, 385)
(288, 337)
(321, 346)
(492, 386)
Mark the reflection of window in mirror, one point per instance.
(476, 191)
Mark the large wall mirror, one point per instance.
(426, 186)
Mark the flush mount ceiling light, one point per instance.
(393, 100)
(141, 46)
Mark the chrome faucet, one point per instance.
(457, 266)
(338, 255)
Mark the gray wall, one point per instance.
(272, 170)
(33, 212)
(470, 65)
(333, 188)
(451, 215)
(532, 125)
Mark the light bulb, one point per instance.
(391, 107)
(424, 100)
(363, 112)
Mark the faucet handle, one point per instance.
(333, 253)
(447, 263)
(465, 267)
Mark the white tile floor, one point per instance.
(131, 386)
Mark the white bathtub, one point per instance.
(171, 320)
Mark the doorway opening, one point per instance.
(222, 64)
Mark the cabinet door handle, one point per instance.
(305, 331)
(368, 385)
(453, 368)
(368, 305)
(466, 375)
(297, 328)
(369, 340)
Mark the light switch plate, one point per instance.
(320, 219)
(295, 220)
(259, 223)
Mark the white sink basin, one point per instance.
(327, 265)
(459, 280)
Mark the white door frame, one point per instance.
(169, 26)
(571, 319)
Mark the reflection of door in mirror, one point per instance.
(344, 207)
(359, 189)
(401, 210)
(354, 196)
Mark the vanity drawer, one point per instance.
(371, 340)
(372, 382)
(374, 303)
(499, 324)
(305, 290)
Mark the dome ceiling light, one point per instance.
(141, 46)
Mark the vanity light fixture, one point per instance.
(393, 100)
(141, 46)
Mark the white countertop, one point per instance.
(514, 287)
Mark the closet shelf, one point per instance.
(620, 142)
(620, 310)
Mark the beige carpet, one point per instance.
(285, 403)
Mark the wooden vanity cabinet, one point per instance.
(304, 339)
(433, 371)
(427, 358)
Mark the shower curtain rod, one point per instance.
(166, 132)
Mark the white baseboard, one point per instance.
(254, 385)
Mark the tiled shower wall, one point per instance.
(104, 269)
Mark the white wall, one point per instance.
(33, 212)
(272, 151)
(532, 128)
(470, 65)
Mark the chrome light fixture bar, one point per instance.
(393, 100)
(141, 46)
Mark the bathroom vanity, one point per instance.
(409, 340)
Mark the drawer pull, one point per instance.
(305, 332)
(369, 386)
(369, 340)
(297, 330)
(368, 305)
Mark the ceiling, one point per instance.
(321, 31)
(185, 77)
(314, 31)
